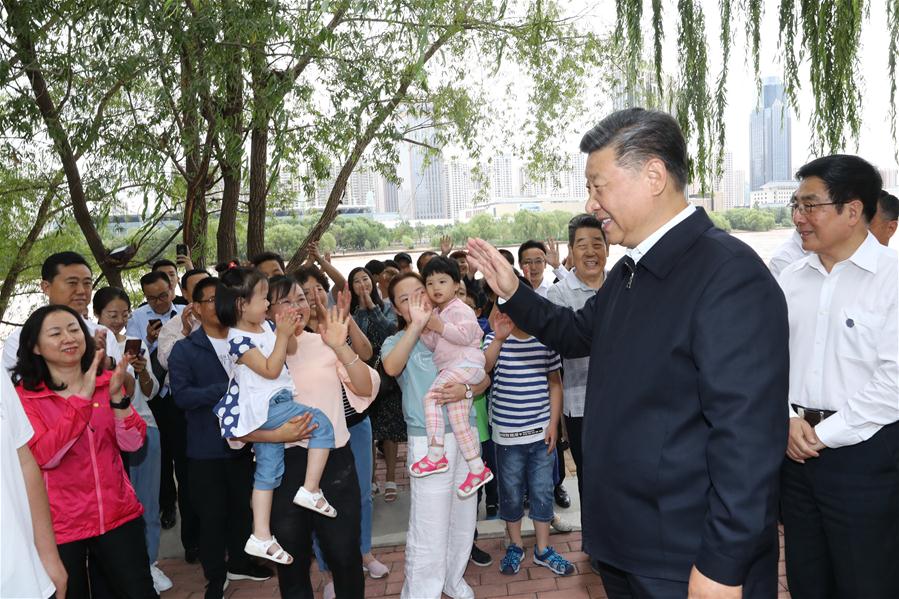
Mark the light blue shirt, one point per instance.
(415, 380)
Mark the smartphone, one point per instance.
(133, 347)
(153, 322)
(181, 249)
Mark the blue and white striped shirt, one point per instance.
(519, 399)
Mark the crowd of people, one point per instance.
(704, 397)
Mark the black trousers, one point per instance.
(760, 583)
(574, 425)
(841, 520)
(173, 447)
(488, 453)
(338, 537)
(220, 491)
(121, 557)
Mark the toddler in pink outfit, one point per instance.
(454, 335)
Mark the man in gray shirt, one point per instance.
(589, 249)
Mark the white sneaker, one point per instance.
(161, 582)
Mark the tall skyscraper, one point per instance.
(728, 189)
(770, 127)
(501, 185)
(460, 188)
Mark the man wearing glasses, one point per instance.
(146, 323)
(532, 258)
(840, 481)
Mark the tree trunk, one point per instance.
(258, 155)
(18, 263)
(337, 191)
(28, 56)
(231, 157)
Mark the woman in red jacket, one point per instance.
(81, 421)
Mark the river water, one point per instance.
(765, 243)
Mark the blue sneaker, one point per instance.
(512, 561)
(553, 561)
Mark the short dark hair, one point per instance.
(154, 276)
(354, 299)
(510, 258)
(391, 264)
(530, 244)
(236, 284)
(102, 297)
(31, 369)
(197, 295)
(402, 257)
(51, 265)
(307, 271)
(442, 266)
(637, 135)
(846, 177)
(459, 254)
(223, 266)
(424, 254)
(889, 205)
(584, 221)
(192, 272)
(279, 286)
(164, 262)
(375, 267)
(391, 293)
(265, 257)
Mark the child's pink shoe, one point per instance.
(473, 482)
(425, 467)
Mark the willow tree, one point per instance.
(824, 34)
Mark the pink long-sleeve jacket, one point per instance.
(76, 443)
(460, 344)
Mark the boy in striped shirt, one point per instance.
(525, 407)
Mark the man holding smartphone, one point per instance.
(146, 323)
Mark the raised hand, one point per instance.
(118, 377)
(552, 252)
(187, 323)
(89, 378)
(333, 328)
(313, 251)
(344, 298)
(286, 322)
(502, 325)
(446, 245)
(497, 272)
(419, 311)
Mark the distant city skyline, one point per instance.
(770, 136)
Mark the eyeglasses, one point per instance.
(296, 304)
(208, 300)
(535, 262)
(157, 298)
(805, 209)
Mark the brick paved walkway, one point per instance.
(532, 582)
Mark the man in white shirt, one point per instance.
(66, 279)
(840, 483)
(532, 259)
(29, 560)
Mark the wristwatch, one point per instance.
(469, 394)
(126, 401)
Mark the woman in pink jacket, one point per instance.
(81, 421)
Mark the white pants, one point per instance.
(441, 527)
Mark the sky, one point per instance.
(875, 143)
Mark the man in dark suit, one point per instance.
(685, 421)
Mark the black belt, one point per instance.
(812, 415)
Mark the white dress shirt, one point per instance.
(644, 246)
(790, 251)
(137, 329)
(844, 341)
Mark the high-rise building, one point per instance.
(362, 188)
(890, 177)
(728, 189)
(770, 136)
(501, 185)
(460, 188)
(389, 198)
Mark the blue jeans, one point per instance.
(145, 469)
(360, 445)
(525, 464)
(270, 456)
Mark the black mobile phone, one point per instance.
(181, 249)
(153, 321)
(133, 347)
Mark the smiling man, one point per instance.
(66, 279)
(840, 481)
(684, 415)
